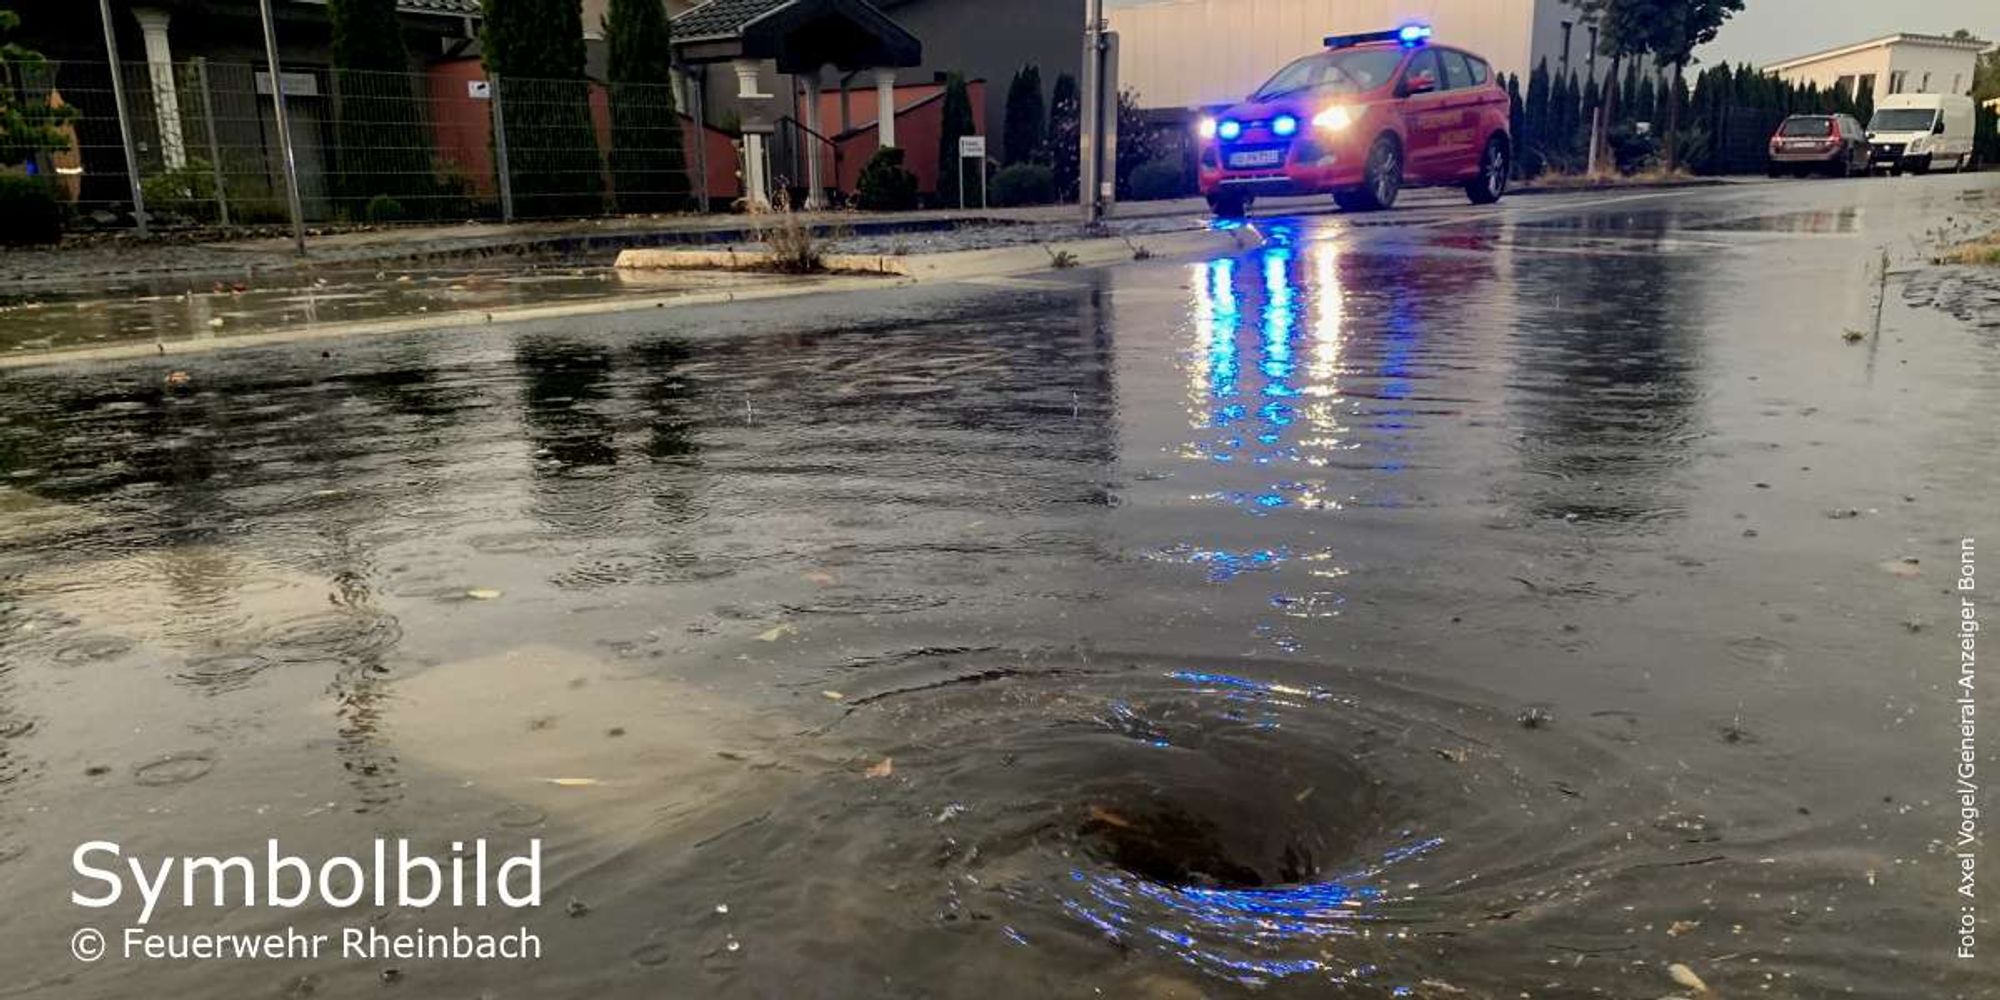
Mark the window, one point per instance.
(1806, 127)
(1925, 87)
(1896, 79)
(1480, 72)
(1867, 86)
(1457, 75)
(1955, 78)
(1845, 85)
(1346, 71)
(1424, 63)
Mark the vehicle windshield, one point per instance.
(1806, 126)
(1903, 120)
(1344, 72)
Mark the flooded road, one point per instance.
(1509, 602)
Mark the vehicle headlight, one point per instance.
(1206, 128)
(1230, 128)
(1284, 125)
(1334, 118)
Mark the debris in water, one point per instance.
(1680, 927)
(832, 695)
(216, 322)
(1913, 624)
(1684, 976)
(483, 594)
(391, 975)
(950, 812)
(882, 770)
(823, 579)
(1456, 755)
(1099, 814)
(1843, 513)
(1852, 336)
(577, 907)
(573, 782)
(1534, 718)
(776, 632)
(178, 380)
(722, 907)
(1905, 567)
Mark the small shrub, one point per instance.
(30, 212)
(383, 208)
(187, 191)
(1024, 184)
(1061, 260)
(793, 245)
(1159, 179)
(884, 186)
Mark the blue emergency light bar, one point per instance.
(1409, 35)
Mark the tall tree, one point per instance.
(648, 167)
(385, 148)
(958, 122)
(1065, 135)
(1535, 116)
(535, 47)
(1670, 30)
(1023, 131)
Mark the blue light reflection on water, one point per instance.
(1250, 935)
(1273, 342)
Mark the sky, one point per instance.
(1769, 30)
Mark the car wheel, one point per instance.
(1381, 177)
(1922, 166)
(1492, 180)
(1772, 171)
(1228, 206)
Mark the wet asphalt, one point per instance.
(1485, 602)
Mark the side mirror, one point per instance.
(1421, 83)
(1938, 129)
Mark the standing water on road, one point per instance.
(1524, 605)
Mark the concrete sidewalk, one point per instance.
(171, 263)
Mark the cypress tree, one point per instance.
(648, 167)
(384, 147)
(1630, 107)
(1022, 133)
(1064, 135)
(1535, 115)
(952, 172)
(536, 48)
(1516, 116)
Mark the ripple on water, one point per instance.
(174, 769)
(1267, 832)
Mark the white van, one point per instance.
(1916, 132)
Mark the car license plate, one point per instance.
(1257, 158)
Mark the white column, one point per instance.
(166, 102)
(756, 189)
(815, 183)
(885, 105)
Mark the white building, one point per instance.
(1190, 53)
(1902, 63)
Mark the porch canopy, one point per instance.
(801, 36)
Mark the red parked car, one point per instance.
(1371, 115)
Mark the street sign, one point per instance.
(972, 147)
(479, 90)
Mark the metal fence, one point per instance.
(367, 146)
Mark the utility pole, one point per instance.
(284, 128)
(124, 119)
(1090, 125)
(1097, 120)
